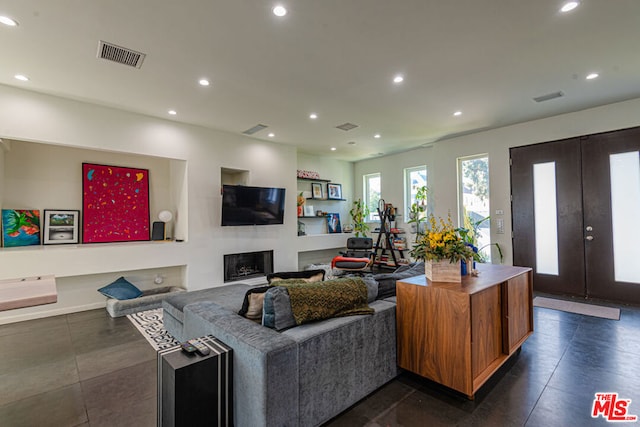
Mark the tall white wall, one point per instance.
(441, 159)
(196, 157)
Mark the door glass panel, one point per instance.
(625, 208)
(545, 217)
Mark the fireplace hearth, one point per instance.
(247, 265)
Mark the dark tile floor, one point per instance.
(86, 369)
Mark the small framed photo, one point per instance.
(61, 227)
(333, 223)
(316, 190)
(334, 191)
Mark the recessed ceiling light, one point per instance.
(569, 6)
(279, 10)
(333, 148)
(377, 135)
(203, 82)
(21, 77)
(592, 76)
(271, 135)
(172, 112)
(313, 116)
(457, 113)
(398, 79)
(8, 21)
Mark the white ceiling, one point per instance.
(337, 58)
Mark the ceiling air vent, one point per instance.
(256, 128)
(119, 54)
(549, 96)
(347, 126)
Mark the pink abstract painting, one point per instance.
(116, 204)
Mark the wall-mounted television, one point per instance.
(244, 205)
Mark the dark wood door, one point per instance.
(565, 154)
(597, 164)
(585, 223)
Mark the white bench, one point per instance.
(28, 291)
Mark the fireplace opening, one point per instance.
(247, 265)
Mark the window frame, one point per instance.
(373, 211)
(409, 198)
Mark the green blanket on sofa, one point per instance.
(323, 300)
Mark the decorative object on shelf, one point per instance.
(308, 174)
(347, 228)
(302, 229)
(359, 213)
(300, 200)
(308, 210)
(61, 227)
(442, 248)
(334, 191)
(115, 204)
(333, 223)
(159, 228)
(320, 213)
(316, 190)
(20, 227)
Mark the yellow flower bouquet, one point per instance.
(441, 242)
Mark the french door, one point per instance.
(576, 214)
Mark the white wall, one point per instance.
(441, 159)
(43, 119)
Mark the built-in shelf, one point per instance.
(326, 200)
(314, 179)
(317, 242)
(312, 216)
(87, 259)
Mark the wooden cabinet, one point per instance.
(459, 334)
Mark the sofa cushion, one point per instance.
(307, 275)
(228, 296)
(387, 281)
(120, 289)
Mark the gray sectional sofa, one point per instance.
(302, 376)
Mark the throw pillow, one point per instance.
(256, 301)
(253, 302)
(120, 289)
(307, 275)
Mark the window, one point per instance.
(371, 186)
(414, 179)
(473, 181)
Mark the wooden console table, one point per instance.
(459, 334)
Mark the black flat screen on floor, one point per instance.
(244, 205)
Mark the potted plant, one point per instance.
(418, 210)
(442, 249)
(470, 234)
(359, 213)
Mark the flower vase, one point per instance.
(442, 271)
(300, 210)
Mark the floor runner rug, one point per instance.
(578, 308)
(150, 325)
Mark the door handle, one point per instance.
(589, 238)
